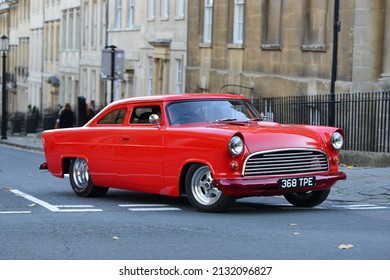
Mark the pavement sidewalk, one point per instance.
(364, 185)
(28, 142)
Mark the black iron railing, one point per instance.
(364, 117)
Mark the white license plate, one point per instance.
(291, 183)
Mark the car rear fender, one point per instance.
(66, 161)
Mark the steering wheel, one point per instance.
(185, 119)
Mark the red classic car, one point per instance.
(212, 147)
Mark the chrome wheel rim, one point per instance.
(202, 187)
(80, 173)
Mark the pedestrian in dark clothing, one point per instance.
(90, 113)
(66, 117)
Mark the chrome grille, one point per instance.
(284, 162)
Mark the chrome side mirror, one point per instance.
(154, 119)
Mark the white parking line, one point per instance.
(142, 205)
(56, 208)
(15, 212)
(149, 207)
(36, 200)
(78, 208)
(155, 209)
(361, 207)
(81, 210)
(290, 206)
(74, 206)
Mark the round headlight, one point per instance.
(236, 146)
(337, 140)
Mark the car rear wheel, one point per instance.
(80, 180)
(202, 193)
(307, 199)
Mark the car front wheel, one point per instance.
(307, 199)
(202, 193)
(80, 180)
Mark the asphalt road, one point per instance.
(42, 219)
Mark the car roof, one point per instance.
(178, 97)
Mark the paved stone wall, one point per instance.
(366, 159)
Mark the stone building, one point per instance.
(56, 48)
(261, 47)
(36, 62)
(284, 47)
(153, 34)
(17, 30)
(66, 82)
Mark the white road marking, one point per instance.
(56, 208)
(149, 207)
(36, 200)
(349, 207)
(290, 206)
(74, 206)
(360, 207)
(78, 208)
(141, 205)
(81, 210)
(15, 212)
(155, 209)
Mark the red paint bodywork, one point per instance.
(154, 159)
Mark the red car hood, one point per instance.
(260, 136)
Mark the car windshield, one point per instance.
(211, 111)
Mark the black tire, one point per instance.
(307, 199)
(80, 180)
(201, 192)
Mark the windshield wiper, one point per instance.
(226, 120)
(256, 120)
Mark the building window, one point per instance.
(208, 21)
(77, 29)
(57, 40)
(64, 31)
(94, 24)
(180, 9)
(69, 89)
(271, 24)
(149, 86)
(151, 9)
(118, 14)
(70, 30)
(130, 15)
(92, 92)
(165, 9)
(314, 35)
(86, 25)
(84, 79)
(179, 76)
(51, 41)
(238, 24)
(103, 23)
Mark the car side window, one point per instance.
(115, 117)
(141, 115)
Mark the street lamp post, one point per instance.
(4, 44)
(336, 30)
(112, 47)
